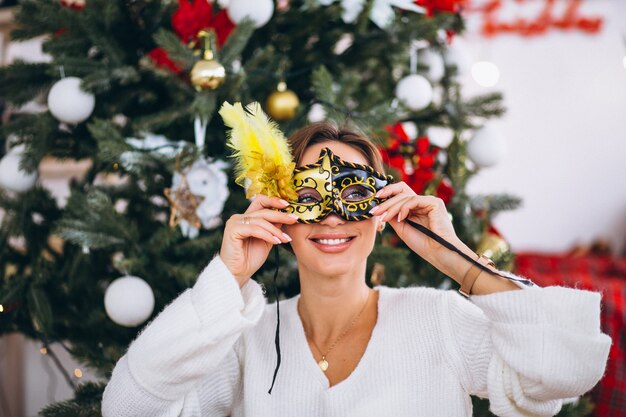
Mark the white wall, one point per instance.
(566, 131)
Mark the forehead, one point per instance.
(343, 151)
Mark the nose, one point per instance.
(332, 220)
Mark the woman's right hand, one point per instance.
(249, 237)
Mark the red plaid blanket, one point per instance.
(598, 273)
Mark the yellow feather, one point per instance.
(263, 160)
(271, 138)
(241, 137)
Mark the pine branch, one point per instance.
(90, 220)
(95, 24)
(322, 83)
(495, 203)
(21, 82)
(236, 42)
(161, 119)
(204, 105)
(484, 106)
(40, 310)
(86, 403)
(41, 17)
(103, 80)
(176, 50)
(111, 144)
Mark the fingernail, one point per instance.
(399, 215)
(382, 218)
(293, 216)
(379, 193)
(287, 236)
(283, 202)
(277, 240)
(373, 210)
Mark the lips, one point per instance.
(332, 243)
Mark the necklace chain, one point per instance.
(323, 363)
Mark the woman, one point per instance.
(349, 350)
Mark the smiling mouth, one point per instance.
(332, 242)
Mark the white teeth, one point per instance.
(331, 241)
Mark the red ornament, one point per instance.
(162, 60)
(415, 160)
(187, 21)
(438, 6)
(444, 190)
(193, 16)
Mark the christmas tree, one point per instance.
(134, 87)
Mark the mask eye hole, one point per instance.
(356, 193)
(308, 195)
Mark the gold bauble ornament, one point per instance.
(282, 103)
(208, 73)
(492, 244)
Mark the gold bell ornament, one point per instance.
(492, 244)
(282, 103)
(207, 73)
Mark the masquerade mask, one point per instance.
(332, 185)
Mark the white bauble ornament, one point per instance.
(434, 62)
(68, 103)
(13, 178)
(129, 301)
(485, 73)
(317, 113)
(260, 11)
(487, 147)
(415, 92)
(440, 136)
(458, 55)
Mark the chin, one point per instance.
(340, 265)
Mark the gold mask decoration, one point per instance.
(332, 185)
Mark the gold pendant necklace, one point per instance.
(323, 363)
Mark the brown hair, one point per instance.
(327, 131)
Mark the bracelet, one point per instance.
(472, 274)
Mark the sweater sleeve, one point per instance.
(526, 350)
(185, 343)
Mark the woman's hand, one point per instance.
(403, 203)
(249, 237)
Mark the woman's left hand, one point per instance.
(403, 203)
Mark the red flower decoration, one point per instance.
(188, 20)
(444, 190)
(414, 160)
(437, 6)
(193, 16)
(162, 60)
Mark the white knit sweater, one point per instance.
(211, 353)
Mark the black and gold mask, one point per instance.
(332, 185)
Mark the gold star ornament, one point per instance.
(183, 204)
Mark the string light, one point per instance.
(485, 73)
(1, 308)
(78, 373)
(43, 350)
